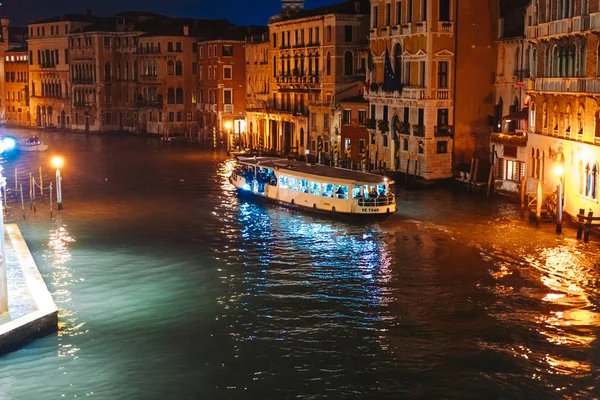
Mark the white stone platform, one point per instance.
(32, 312)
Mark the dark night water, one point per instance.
(170, 287)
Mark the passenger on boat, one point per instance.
(340, 193)
(373, 193)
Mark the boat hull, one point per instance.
(37, 147)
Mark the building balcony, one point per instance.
(228, 108)
(446, 26)
(407, 29)
(83, 104)
(510, 138)
(89, 81)
(444, 131)
(47, 65)
(408, 93)
(151, 50)
(595, 21)
(421, 27)
(418, 130)
(149, 77)
(149, 103)
(564, 85)
(581, 23)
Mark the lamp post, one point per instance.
(58, 162)
(228, 126)
(559, 170)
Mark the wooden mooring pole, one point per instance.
(580, 217)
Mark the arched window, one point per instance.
(118, 71)
(594, 182)
(555, 118)
(581, 178)
(532, 117)
(171, 96)
(170, 68)
(398, 63)
(328, 64)
(178, 68)
(348, 63)
(274, 66)
(179, 96)
(107, 72)
(555, 62)
(580, 113)
(568, 119)
(545, 116)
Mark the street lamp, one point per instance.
(228, 126)
(559, 171)
(57, 162)
(5, 144)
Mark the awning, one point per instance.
(517, 116)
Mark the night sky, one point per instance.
(241, 12)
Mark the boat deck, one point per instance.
(314, 169)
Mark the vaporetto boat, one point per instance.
(314, 187)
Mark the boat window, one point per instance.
(328, 189)
(294, 183)
(381, 190)
(369, 191)
(356, 192)
(304, 186)
(341, 192)
(283, 181)
(315, 188)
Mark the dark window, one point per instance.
(405, 145)
(442, 147)
(442, 117)
(179, 96)
(329, 34)
(347, 117)
(178, 47)
(409, 11)
(362, 117)
(66, 56)
(178, 68)
(375, 16)
(423, 10)
(398, 12)
(31, 56)
(171, 96)
(348, 63)
(170, 47)
(227, 96)
(373, 114)
(348, 33)
(385, 113)
(388, 13)
(443, 74)
(106, 41)
(227, 50)
(444, 10)
(328, 66)
(421, 117)
(194, 47)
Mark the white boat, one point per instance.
(31, 144)
(314, 187)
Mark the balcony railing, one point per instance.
(48, 65)
(407, 29)
(419, 130)
(581, 23)
(228, 108)
(421, 27)
(444, 131)
(595, 21)
(446, 26)
(409, 93)
(150, 50)
(149, 103)
(566, 85)
(89, 81)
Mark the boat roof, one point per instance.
(314, 169)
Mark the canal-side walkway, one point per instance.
(32, 312)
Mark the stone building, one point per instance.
(351, 117)
(431, 88)
(16, 87)
(509, 138)
(314, 63)
(103, 74)
(257, 88)
(562, 46)
(222, 86)
(49, 69)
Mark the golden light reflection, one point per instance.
(57, 162)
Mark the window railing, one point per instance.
(419, 130)
(444, 131)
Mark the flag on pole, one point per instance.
(389, 78)
(371, 62)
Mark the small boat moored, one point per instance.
(314, 187)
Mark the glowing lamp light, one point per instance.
(228, 125)
(559, 170)
(8, 143)
(57, 162)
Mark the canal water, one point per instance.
(171, 287)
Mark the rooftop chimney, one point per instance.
(290, 5)
(186, 30)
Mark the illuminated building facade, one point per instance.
(49, 69)
(425, 108)
(257, 89)
(509, 138)
(16, 87)
(562, 49)
(314, 63)
(222, 88)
